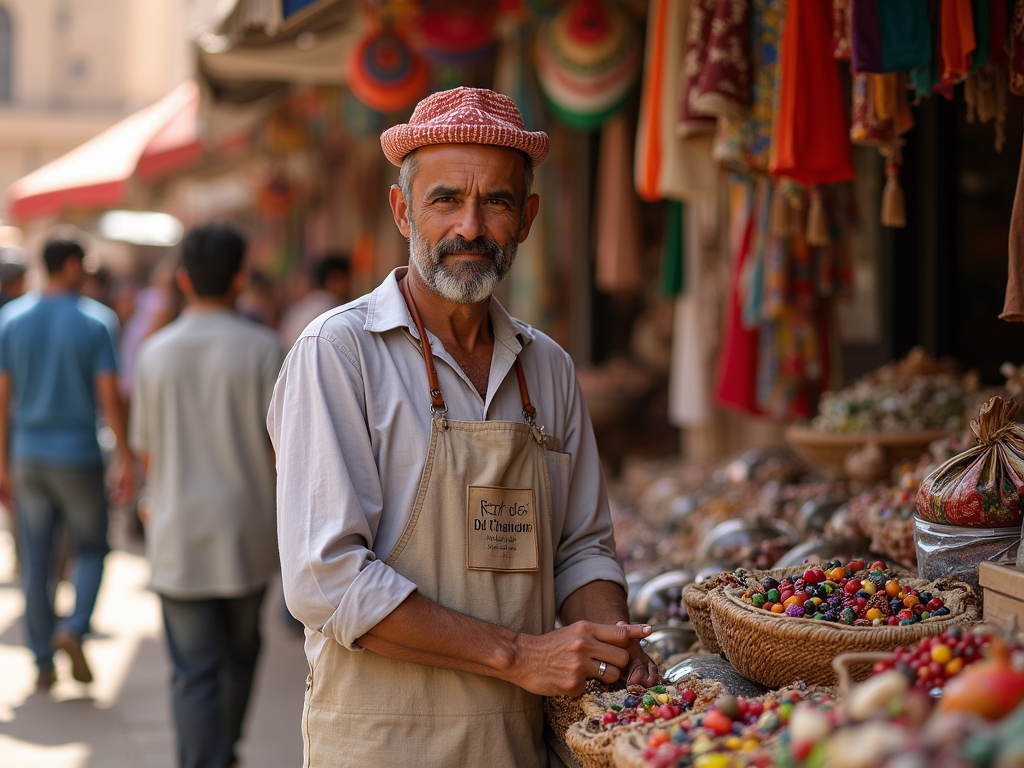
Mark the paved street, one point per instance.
(122, 719)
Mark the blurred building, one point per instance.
(71, 68)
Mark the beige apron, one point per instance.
(478, 542)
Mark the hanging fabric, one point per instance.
(890, 35)
(745, 146)
(666, 164)
(812, 142)
(842, 21)
(673, 271)
(1016, 47)
(957, 38)
(695, 56)
(1013, 306)
(618, 243)
(723, 88)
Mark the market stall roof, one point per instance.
(97, 174)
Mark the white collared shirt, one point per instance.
(350, 422)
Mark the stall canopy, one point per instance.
(160, 138)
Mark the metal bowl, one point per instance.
(814, 514)
(669, 640)
(823, 549)
(725, 538)
(713, 667)
(658, 594)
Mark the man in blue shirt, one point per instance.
(57, 364)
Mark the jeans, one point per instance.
(213, 645)
(47, 494)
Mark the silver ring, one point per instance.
(602, 668)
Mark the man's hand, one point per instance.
(6, 490)
(641, 670)
(123, 481)
(558, 663)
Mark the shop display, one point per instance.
(775, 649)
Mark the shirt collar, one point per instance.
(387, 310)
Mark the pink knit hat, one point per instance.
(464, 116)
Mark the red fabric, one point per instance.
(736, 378)
(1017, 49)
(812, 134)
(650, 159)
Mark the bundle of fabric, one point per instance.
(385, 73)
(589, 58)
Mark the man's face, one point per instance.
(466, 218)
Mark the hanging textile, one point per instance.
(736, 377)
(385, 73)
(723, 88)
(673, 271)
(745, 146)
(695, 331)
(618, 244)
(842, 13)
(812, 143)
(667, 165)
(1013, 306)
(695, 56)
(890, 35)
(1016, 46)
(957, 39)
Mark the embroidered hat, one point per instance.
(464, 116)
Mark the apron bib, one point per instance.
(478, 542)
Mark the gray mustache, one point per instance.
(462, 245)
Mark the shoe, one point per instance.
(71, 644)
(45, 681)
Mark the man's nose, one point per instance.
(470, 224)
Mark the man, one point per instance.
(12, 274)
(201, 391)
(57, 363)
(430, 529)
(331, 280)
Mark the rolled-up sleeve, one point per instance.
(586, 548)
(329, 494)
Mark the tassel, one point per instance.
(894, 208)
(817, 220)
(779, 216)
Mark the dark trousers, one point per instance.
(213, 645)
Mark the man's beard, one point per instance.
(467, 282)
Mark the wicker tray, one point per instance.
(776, 650)
(829, 450)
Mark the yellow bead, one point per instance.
(751, 744)
(713, 760)
(734, 742)
(702, 744)
(869, 586)
(663, 698)
(872, 614)
(942, 653)
(954, 666)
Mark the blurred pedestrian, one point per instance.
(201, 392)
(259, 299)
(12, 274)
(57, 363)
(330, 278)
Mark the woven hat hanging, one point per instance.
(588, 60)
(457, 33)
(385, 73)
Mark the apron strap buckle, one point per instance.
(440, 416)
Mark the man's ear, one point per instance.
(184, 283)
(530, 209)
(238, 282)
(399, 209)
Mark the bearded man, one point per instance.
(431, 531)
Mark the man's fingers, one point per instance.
(622, 633)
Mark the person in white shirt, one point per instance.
(440, 496)
(331, 280)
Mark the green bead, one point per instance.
(758, 599)
(773, 595)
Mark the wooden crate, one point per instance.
(1003, 590)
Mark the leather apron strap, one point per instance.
(438, 408)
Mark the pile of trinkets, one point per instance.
(857, 594)
(648, 705)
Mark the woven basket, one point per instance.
(697, 598)
(594, 747)
(775, 650)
